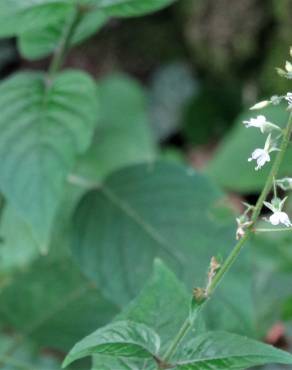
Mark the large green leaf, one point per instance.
(43, 127)
(39, 43)
(221, 351)
(143, 212)
(158, 210)
(120, 139)
(53, 304)
(120, 339)
(230, 168)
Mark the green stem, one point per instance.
(239, 245)
(178, 338)
(278, 229)
(64, 44)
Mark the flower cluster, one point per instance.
(262, 156)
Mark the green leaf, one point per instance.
(221, 351)
(39, 43)
(120, 339)
(120, 139)
(53, 304)
(43, 128)
(143, 212)
(17, 247)
(22, 16)
(17, 16)
(163, 303)
(102, 362)
(238, 146)
(159, 210)
(272, 261)
(132, 8)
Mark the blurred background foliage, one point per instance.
(175, 86)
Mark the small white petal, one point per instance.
(280, 217)
(288, 66)
(274, 219)
(284, 219)
(257, 153)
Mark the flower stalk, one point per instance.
(228, 263)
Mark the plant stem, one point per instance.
(64, 44)
(239, 245)
(178, 338)
(278, 229)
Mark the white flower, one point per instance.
(259, 122)
(288, 97)
(262, 155)
(280, 218)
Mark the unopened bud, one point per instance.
(214, 266)
(199, 295)
(285, 183)
(260, 105)
(275, 99)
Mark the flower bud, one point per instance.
(260, 105)
(285, 183)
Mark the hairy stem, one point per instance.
(239, 245)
